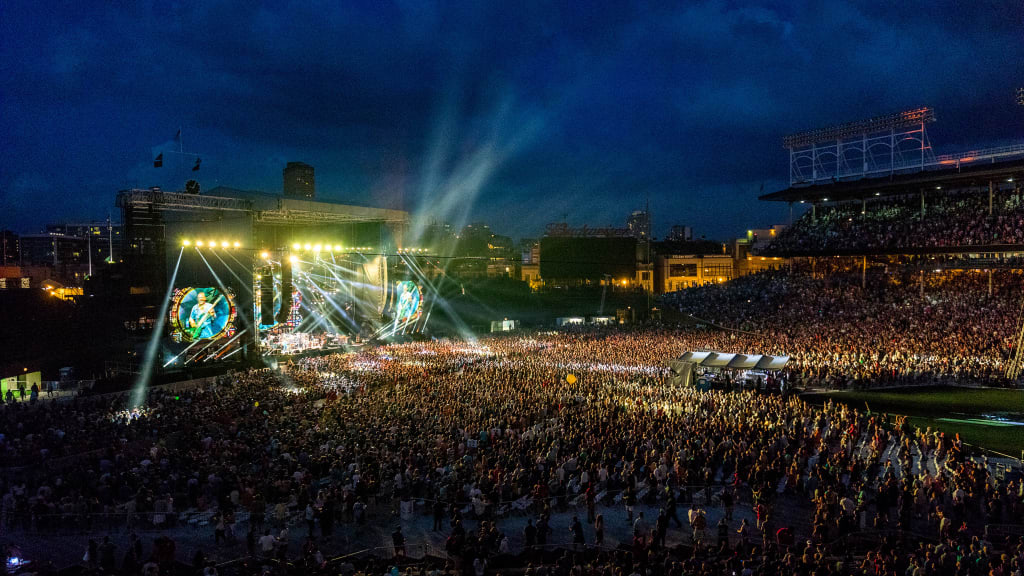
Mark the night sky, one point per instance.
(492, 111)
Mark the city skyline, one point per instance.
(433, 110)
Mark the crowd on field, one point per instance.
(476, 432)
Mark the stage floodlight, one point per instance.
(224, 244)
(308, 247)
(186, 242)
(293, 259)
(199, 242)
(212, 243)
(337, 248)
(264, 254)
(296, 246)
(237, 244)
(317, 248)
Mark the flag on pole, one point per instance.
(159, 160)
(196, 167)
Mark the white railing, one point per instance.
(973, 156)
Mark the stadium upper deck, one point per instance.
(956, 177)
(976, 209)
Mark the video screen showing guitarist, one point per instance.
(201, 319)
(202, 313)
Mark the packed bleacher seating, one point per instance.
(951, 219)
(840, 335)
(465, 439)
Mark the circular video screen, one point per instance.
(201, 313)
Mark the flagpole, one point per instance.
(110, 240)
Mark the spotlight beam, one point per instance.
(142, 382)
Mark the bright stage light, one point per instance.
(186, 242)
(212, 243)
(293, 259)
(237, 244)
(264, 254)
(317, 248)
(296, 246)
(308, 247)
(199, 242)
(224, 244)
(338, 248)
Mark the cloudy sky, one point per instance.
(496, 111)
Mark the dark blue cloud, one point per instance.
(506, 112)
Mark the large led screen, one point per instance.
(408, 301)
(201, 314)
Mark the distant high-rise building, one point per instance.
(299, 180)
(680, 233)
(10, 248)
(639, 224)
(103, 239)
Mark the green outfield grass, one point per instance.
(967, 411)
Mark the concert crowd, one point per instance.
(473, 434)
(889, 332)
(950, 219)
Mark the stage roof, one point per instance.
(273, 207)
(267, 208)
(896, 184)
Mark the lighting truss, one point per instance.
(180, 201)
(313, 217)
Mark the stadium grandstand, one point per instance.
(906, 266)
(876, 187)
(956, 209)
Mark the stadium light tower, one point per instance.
(876, 146)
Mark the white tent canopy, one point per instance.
(745, 362)
(718, 360)
(737, 361)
